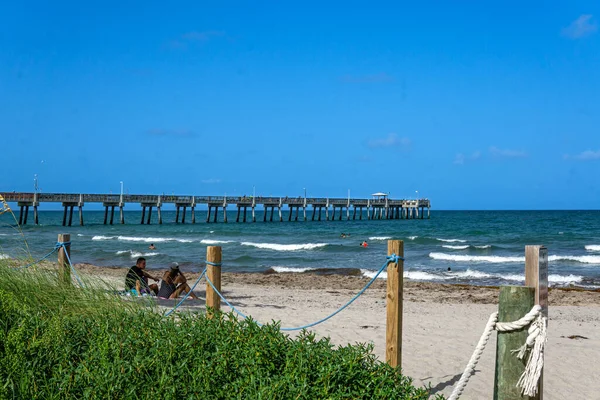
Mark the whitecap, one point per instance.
(4, 256)
(136, 254)
(485, 246)
(464, 258)
(380, 238)
(412, 237)
(209, 241)
(592, 247)
(285, 247)
(461, 247)
(100, 237)
(144, 239)
(451, 240)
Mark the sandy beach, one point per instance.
(442, 324)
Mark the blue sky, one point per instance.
(474, 106)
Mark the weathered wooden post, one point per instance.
(395, 287)
(514, 303)
(64, 272)
(213, 272)
(536, 276)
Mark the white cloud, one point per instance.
(507, 153)
(460, 158)
(392, 140)
(585, 155)
(581, 27)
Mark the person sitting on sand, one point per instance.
(174, 283)
(152, 247)
(364, 244)
(137, 279)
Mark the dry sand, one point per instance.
(442, 324)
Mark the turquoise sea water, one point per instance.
(480, 247)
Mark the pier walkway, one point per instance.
(335, 208)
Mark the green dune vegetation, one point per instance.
(59, 341)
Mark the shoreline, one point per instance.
(417, 291)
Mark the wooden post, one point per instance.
(395, 287)
(536, 276)
(514, 303)
(213, 272)
(64, 272)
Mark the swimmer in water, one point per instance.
(152, 247)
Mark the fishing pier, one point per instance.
(377, 208)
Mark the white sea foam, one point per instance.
(291, 269)
(415, 275)
(581, 259)
(103, 237)
(380, 238)
(79, 234)
(471, 273)
(451, 240)
(151, 239)
(463, 258)
(212, 232)
(209, 241)
(412, 237)
(422, 276)
(4, 256)
(461, 247)
(592, 247)
(144, 239)
(285, 247)
(136, 254)
(485, 246)
(367, 273)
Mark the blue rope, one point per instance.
(64, 246)
(390, 259)
(38, 261)
(188, 293)
(212, 263)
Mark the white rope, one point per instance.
(535, 340)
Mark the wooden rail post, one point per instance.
(514, 303)
(395, 287)
(213, 272)
(64, 272)
(536, 276)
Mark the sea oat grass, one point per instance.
(63, 342)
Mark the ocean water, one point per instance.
(480, 247)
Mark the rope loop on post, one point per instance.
(212, 263)
(536, 340)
